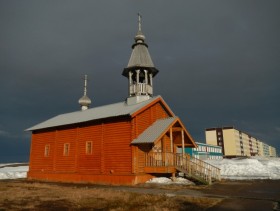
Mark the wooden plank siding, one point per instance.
(111, 150)
(90, 163)
(117, 149)
(140, 123)
(142, 150)
(143, 121)
(147, 117)
(65, 163)
(159, 112)
(38, 161)
(166, 144)
(112, 158)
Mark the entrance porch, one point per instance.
(171, 163)
(160, 149)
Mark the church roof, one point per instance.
(159, 128)
(101, 112)
(153, 133)
(140, 56)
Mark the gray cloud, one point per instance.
(219, 61)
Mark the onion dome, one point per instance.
(84, 101)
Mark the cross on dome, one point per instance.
(84, 101)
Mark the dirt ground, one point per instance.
(33, 195)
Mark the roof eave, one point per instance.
(74, 123)
(157, 99)
(162, 133)
(150, 69)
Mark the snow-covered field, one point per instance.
(240, 169)
(234, 169)
(9, 172)
(249, 168)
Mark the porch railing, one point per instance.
(191, 166)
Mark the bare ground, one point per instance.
(225, 195)
(31, 195)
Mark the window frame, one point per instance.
(47, 150)
(66, 149)
(87, 151)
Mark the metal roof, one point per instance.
(106, 111)
(140, 57)
(152, 133)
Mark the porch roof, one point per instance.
(153, 133)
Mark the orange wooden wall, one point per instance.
(116, 147)
(37, 159)
(112, 152)
(141, 122)
(149, 116)
(89, 162)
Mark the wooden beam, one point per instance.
(176, 129)
(171, 139)
(183, 143)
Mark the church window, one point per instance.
(47, 150)
(89, 147)
(66, 149)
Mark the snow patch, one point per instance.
(248, 168)
(13, 172)
(165, 180)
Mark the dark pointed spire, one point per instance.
(140, 69)
(140, 56)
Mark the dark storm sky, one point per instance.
(219, 62)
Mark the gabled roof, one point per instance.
(158, 129)
(152, 133)
(101, 112)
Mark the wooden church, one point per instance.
(127, 142)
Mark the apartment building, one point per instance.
(272, 151)
(237, 143)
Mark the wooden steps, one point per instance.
(193, 168)
(197, 169)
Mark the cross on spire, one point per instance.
(85, 85)
(139, 21)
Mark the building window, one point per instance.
(66, 149)
(89, 147)
(47, 150)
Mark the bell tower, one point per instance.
(140, 70)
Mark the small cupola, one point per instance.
(140, 69)
(84, 101)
